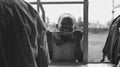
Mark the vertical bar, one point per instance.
(38, 6)
(85, 42)
(42, 9)
(113, 9)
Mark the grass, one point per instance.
(96, 43)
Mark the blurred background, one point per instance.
(101, 13)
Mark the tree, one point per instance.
(80, 22)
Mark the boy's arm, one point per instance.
(78, 52)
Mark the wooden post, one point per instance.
(39, 6)
(113, 9)
(85, 42)
(43, 11)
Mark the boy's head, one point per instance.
(66, 23)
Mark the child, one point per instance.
(64, 45)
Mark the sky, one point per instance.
(99, 10)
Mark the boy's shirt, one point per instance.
(63, 49)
